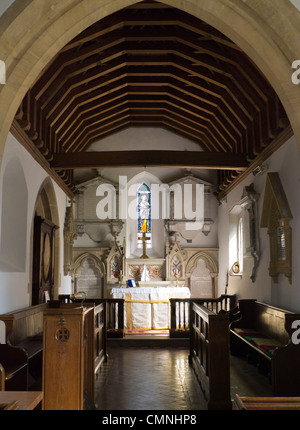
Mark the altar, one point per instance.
(148, 308)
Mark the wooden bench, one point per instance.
(210, 355)
(266, 403)
(114, 313)
(263, 334)
(21, 400)
(21, 355)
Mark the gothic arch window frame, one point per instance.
(145, 224)
(236, 240)
(244, 243)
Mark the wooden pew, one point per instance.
(70, 356)
(266, 403)
(209, 355)
(114, 313)
(21, 355)
(263, 335)
(21, 400)
(99, 346)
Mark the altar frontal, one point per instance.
(148, 308)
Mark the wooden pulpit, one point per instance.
(68, 359)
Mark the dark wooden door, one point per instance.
(43, 260)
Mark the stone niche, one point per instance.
(88, 274)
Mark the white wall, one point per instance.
(142, 138)
(15, 287)
(286, 162)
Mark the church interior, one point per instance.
(149, 190)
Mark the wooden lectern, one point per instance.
(68, 359)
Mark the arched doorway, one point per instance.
(45, 245)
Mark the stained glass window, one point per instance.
(144, 215)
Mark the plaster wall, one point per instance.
(15, 279)
(286, 162)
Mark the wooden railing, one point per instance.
(115, 318)
(180, 310)
(209, 354)
(100, 352)
(114, 314)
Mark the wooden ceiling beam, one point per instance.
(193, 127)
(152, 65)
(181, 159)
(166, 16)
(96, 50)
(142, 95)
(166, 102)
(60, 102)
(217, 139)
(156, 77)
(99, 119)
(138, 82)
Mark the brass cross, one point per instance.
(144, 238)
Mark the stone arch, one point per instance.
(46, 203)
(204, 283)
(209, 261)
(46, 207)
(88, 275)
(35, 41)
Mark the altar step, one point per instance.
(148, 340)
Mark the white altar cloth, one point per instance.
(148, 308)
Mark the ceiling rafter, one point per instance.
(152, 65)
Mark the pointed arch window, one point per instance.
(144, 215)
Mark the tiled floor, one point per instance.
(141, 377)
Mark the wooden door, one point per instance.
(43, 260)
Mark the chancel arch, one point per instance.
(201, 275)
(253, 31)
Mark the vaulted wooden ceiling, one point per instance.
(151, 65)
